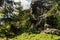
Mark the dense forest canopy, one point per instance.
(37, 16)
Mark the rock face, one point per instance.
(38, 8)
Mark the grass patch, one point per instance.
(41, 36)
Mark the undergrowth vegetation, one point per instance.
(31, 36)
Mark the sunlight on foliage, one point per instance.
(42, 36)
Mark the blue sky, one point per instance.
(24, 3)
(28, 0)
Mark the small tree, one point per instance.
(10, 18)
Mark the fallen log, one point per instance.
(52, 31)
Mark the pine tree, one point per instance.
(42, 12)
